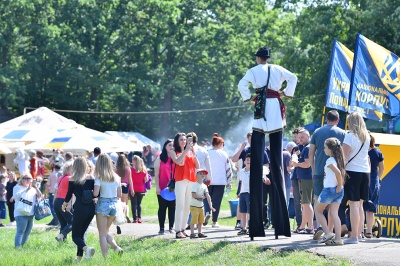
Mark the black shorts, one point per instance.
(124, 189)
(356, 187)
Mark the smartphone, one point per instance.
(190, 139)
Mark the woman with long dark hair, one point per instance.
(124, 171)
(163, 171)
(186, 163)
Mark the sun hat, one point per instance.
(167, 195)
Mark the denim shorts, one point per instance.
(328, 195)
(107, 207)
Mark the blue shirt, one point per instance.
(248, 150)
(294, 173)
(304, 173)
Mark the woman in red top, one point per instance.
(65, 218)
(33, 164)
(139, 178)
(124, 171)
(185, 166)
(163, 168)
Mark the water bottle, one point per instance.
(227, 192)
(295, 158)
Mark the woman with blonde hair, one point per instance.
(84, 209)
(107, 187)
(64, 218)
(124, 172)
(24, 192)
(355, 148)
(139, 178)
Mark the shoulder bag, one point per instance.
(87, 196)
(171, 182)
(42, 209)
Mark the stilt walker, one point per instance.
(269, 117)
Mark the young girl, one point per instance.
(139, 178)
(124, 171)
(333, 192)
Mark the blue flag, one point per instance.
(375, 79)
(337, 91)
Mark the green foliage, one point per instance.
(153, 55)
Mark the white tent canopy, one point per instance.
(42, 116)
(28, 133)
(136, 138)
(80, 139)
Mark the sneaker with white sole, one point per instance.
(318, 233)
(12, 224)
(89, 252)
(326, 237)
(215, 225)
(334, 242)
(208, 216)
(119, 250)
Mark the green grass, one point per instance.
(42, 249)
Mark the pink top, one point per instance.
(165, 172)
(126, 177)
(62, 183)
(138, 181)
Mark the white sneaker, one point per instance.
(12, 224)
(89, 252)
(215, 225)
(119, 250)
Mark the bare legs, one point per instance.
(103, 225)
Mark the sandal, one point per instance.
(201, 235)
(179, 235)
(368, 235)
(306, 232)
(299, 230)
(193, 236)
(184, 233)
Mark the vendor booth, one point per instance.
(389, 197)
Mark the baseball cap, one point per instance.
(201, 170)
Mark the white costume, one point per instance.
(22, 160)
(258, 77)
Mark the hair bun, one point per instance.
(215, 135)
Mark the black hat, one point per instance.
(263, 52)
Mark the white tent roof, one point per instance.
(81, 139)
(42, 116)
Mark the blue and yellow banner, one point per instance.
(375, 79)
(337, 92)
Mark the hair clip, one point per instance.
(337, 142)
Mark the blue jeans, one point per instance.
(51, 203)
(24, 229)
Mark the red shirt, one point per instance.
(187, 170)
(63, 182)
(138, 181)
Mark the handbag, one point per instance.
(42, 209)
(25, 204)
(87, 196)
(171, 182)
(119, 216)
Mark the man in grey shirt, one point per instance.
(318, 157)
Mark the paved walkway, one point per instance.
(375, 251)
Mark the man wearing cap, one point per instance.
(269, 117)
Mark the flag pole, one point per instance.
(323, 116)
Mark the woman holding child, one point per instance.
(186, 163)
